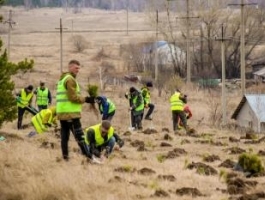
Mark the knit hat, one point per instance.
(132, 89)
(30, 87)
(149, 84)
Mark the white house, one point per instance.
(250, 113)
(259, 76)
(165, 52)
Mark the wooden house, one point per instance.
(250, 113)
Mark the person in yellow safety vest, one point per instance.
(43, 96)
(106, 107)
(24, 99)
(147, 100)
(136, 107)
(43, 121)
(68, 109)
(177, 102)
(102, 136)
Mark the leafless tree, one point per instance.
(206, 53)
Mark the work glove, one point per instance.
(120, 143)
(18, 99)
(107, 152)
(127, 95)
(185, 98)
(132, 108)
(90, 99)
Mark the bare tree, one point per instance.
(206, 55)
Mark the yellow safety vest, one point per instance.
(141, 106)
(42, 96)
(146, 95)
(98, 138)
(24, 99)
(176, 103)
(112, 106)
(37, 120)
(63, 104)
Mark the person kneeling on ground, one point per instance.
(43, 121)
(100, 137)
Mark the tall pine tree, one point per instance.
(8, 108)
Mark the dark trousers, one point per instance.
(150, 110)
(42, 107)
(178, 114)
(109, 116)
(137, 120)
(75, 127)
(21, 112)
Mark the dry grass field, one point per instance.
(151, 165)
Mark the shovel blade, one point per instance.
(131, 128)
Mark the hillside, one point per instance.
(157, 164)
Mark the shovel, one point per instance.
(32, 110)
(130, 119)
(151, 124)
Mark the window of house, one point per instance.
(250, 124)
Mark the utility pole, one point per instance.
(61, 44)
(100, 75)
(188, 57)
(10, 22)
(156, 56)
(224, 121)
(127, 18)
(242, 45)
(188, 44)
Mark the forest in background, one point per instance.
(133, 5)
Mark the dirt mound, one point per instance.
(165, 144)
(167, 137)
(150, 131)
(235, 150)
(227, 164)
(175, 153)
(160, 193)
(239, 186)
(202, 168)
(170, 178)
(194, 192)
(137, 143)
(125, 169)
(211, 158)
(233, 139)
(146, 171)
(254, 196)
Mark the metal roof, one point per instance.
(151, 47)
(260, 72)
(256, 103)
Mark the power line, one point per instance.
(10, 22)
(61, 43)
(242, 44)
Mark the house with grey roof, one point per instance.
(166, 52)
(250, 113)
(259, 76)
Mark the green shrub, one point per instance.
(92, 90)
(250, 163)
(161, 158)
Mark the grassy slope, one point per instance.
(32, 170)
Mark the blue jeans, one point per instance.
(110, 144)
